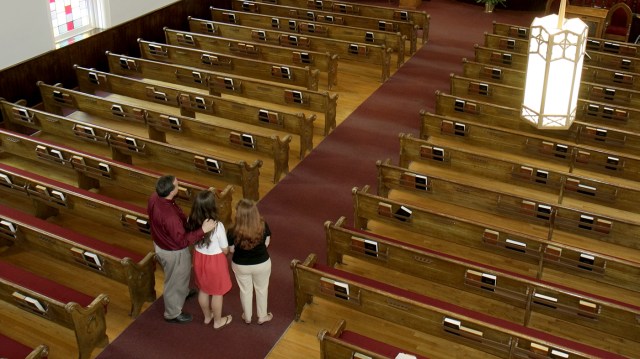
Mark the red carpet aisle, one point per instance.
(319, 189)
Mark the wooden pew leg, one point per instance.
(85, 182)
(141, 282)
(44, 211)
(280, 157)
(90, 325)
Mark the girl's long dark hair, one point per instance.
(203, 207)
(249, 226)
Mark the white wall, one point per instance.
(125, 10)
(25, 25)
(25, 31)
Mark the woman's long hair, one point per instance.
(203, 207)
(249, 226)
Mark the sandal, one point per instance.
(246, 321)
(268, 319)
(227, 321)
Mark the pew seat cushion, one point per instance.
(44, 286)
(373, 345)
(11, 349)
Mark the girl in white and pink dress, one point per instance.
(210, 264)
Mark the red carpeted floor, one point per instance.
(319, 189)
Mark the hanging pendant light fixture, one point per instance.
(556, 52)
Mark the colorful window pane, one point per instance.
(69, 16)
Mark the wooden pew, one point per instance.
(540, 181)
(340, 343)
(614, 47)
(562, 154)
(291, 75)
(125, 146)
(349, 51)
(615, 227)
(322, 61)
(573, 306)
(510, 30)
(507, 43)
(434, 317)
(306, 27)
(600, 113)
(500, 58)
(486, 91)
(114, 262)
(218, 84)
(609, 94)
(498, 239)
(603, 53)
(49, 197)
(158, 124)
(74, 310)
(91, 81)
(417, 17)
(609, 77)
(493, 73)
(13, 349)
(91, 170)
(406, 28)
(582, 132)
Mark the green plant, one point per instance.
(493, 2)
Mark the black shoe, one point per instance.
(183, 318)
(192, 292)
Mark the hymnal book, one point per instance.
(588, 190)
(588, 220)
(199, 102)
(357, 355)
(587, 259)
(490, 280)
(437, 154)
(451, 325)
(544, 300)
(4, 179)
(88, 132)
(544, 211)
(339, 289)
(365, 246)
(104, 168)
(403, 214)
(174, 123)
(353, 48)
(516, 246)
(490, 236)
(35, 304)
(197, 77)
(286, 72)
(602, 226)
(78, 254)
(57, 154)
(558, 354)
(368, 37)
(228, 83)
(588, 306)
(247, 140)
(8, 226)
(384, 209)
(93, 260)
(212, 165)
(131, 143)
(275, 23)
(44, 191)
(552, 252)
(539, 348)
(93, 78)
(460, 129)
(117, 110)
(293, 25)
(58, 195)
(471, 333)
(542, 176)
(235, 138)
(77, 160)
(421, 182)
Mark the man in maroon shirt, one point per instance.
(171, 243)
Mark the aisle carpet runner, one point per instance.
(319, 189)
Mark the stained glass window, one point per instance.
(70, 17)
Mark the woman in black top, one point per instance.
(249, 238)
